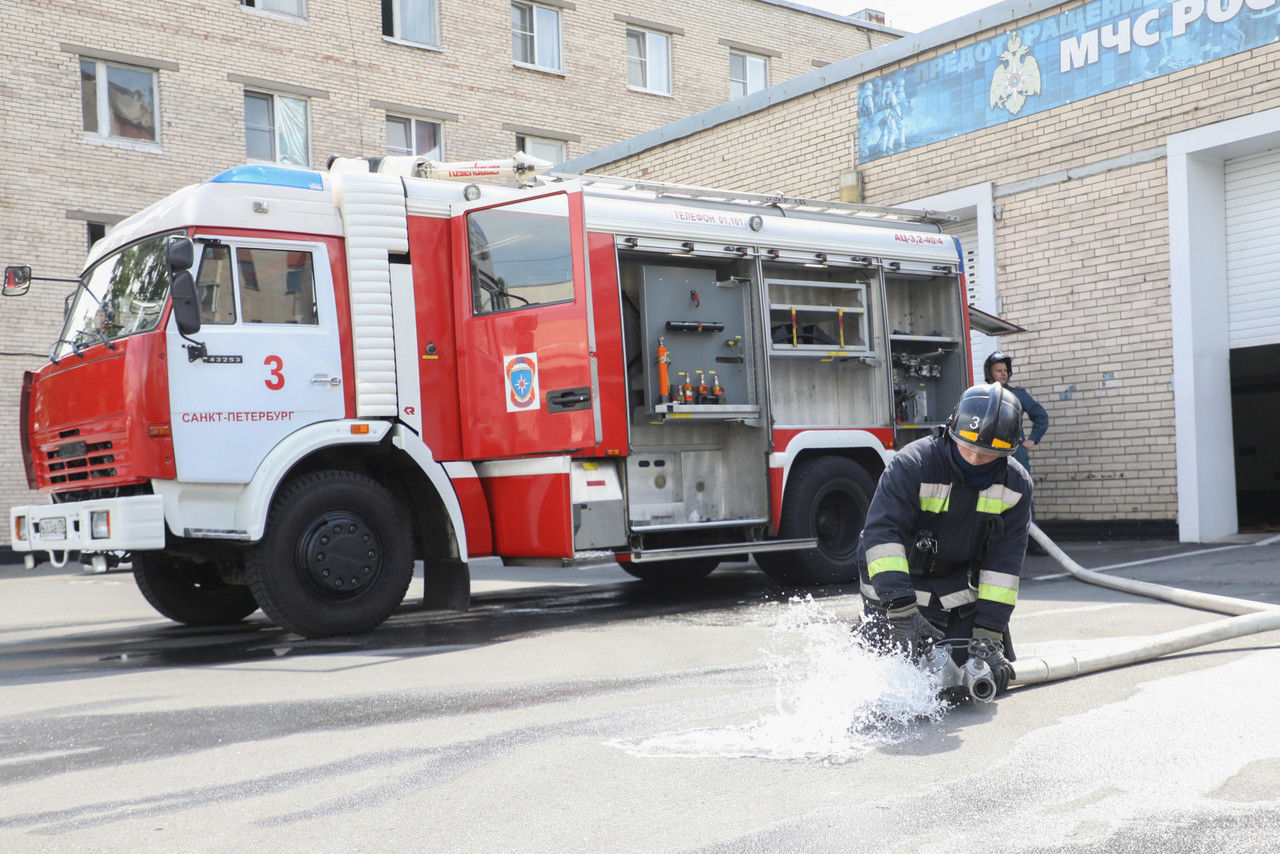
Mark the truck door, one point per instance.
(525, 337)
(271, 363)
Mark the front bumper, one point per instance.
(132, 523)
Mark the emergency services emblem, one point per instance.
(1016, 78)
(522, 381)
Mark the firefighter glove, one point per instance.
(909, 630)
(990, 648)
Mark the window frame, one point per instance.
(646, 60)
(414, 122)
(240, 284)
(392, 29)
(274, 99)
(747, 57)
(102, 106)
(535, 34)
(471, 252)
(255, 5)
(522, 141)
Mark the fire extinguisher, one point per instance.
(664, 377)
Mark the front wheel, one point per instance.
(189, 592)
(827, 500)
(336, 558)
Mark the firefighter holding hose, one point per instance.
(945, 535)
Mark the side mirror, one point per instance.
(186, 307)
(16, 280)
(180, 253)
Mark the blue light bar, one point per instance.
(275, 176)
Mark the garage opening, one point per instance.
(1255, 414)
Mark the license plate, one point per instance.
(53, 528)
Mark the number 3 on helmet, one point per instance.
(991, 417)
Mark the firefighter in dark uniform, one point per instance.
(945, 535)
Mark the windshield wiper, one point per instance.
(74, 349)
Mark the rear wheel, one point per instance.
(827, 500)
(189, 592)
(336, 558)
(672, 571)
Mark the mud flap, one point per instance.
(447, 585)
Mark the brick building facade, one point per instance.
(110, 105)
(1111, 162)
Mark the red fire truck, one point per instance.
(279, 388)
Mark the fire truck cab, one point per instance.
(279, 388)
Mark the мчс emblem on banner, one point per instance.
(1016, 77)
(521, 372)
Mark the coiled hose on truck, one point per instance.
(1252, 618)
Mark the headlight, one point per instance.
(100, 524)
(20, 527)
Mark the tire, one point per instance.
(336, 558)
(687, 570)
(826, 499)
(190, 593)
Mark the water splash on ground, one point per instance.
(834, 700)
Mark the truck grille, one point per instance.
(78, 460)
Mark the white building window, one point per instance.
(276, 129)
(535, 35)
(748, 72)
(118, 102)
(416, 21)
(551, 150)
(414, 137)
(649, 61)
(295, 8)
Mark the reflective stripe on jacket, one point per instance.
(923, 488)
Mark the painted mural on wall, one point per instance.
(1091, 49)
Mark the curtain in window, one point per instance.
(635, 59)
(131, 96)
(659, 68)
(418, 21)
(291, 118)
(548, 35)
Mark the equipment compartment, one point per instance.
(699, 320)
(929, 371)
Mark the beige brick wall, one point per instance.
(48, 172)
(1083, 264)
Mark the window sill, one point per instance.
(253, 161)
(640, 91)
(278, 16)
(434, 48)
(541, 69)
(127, 144)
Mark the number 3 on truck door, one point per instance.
(275, 378)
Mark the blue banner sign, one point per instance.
(1076, 54)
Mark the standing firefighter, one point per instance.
(946, 531)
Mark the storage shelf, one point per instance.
(707, 411)
(928, 339)
(824, 351)
(833, 309)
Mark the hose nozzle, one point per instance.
(974, 676)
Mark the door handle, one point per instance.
(568, 399)
(325, 379)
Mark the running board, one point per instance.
(683, 552)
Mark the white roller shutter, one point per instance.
(1253, 248)
(980, 345)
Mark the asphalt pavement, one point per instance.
(577, 709)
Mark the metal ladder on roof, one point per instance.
(763, 200)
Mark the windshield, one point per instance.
(123, 294)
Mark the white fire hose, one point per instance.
(1253, 617)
